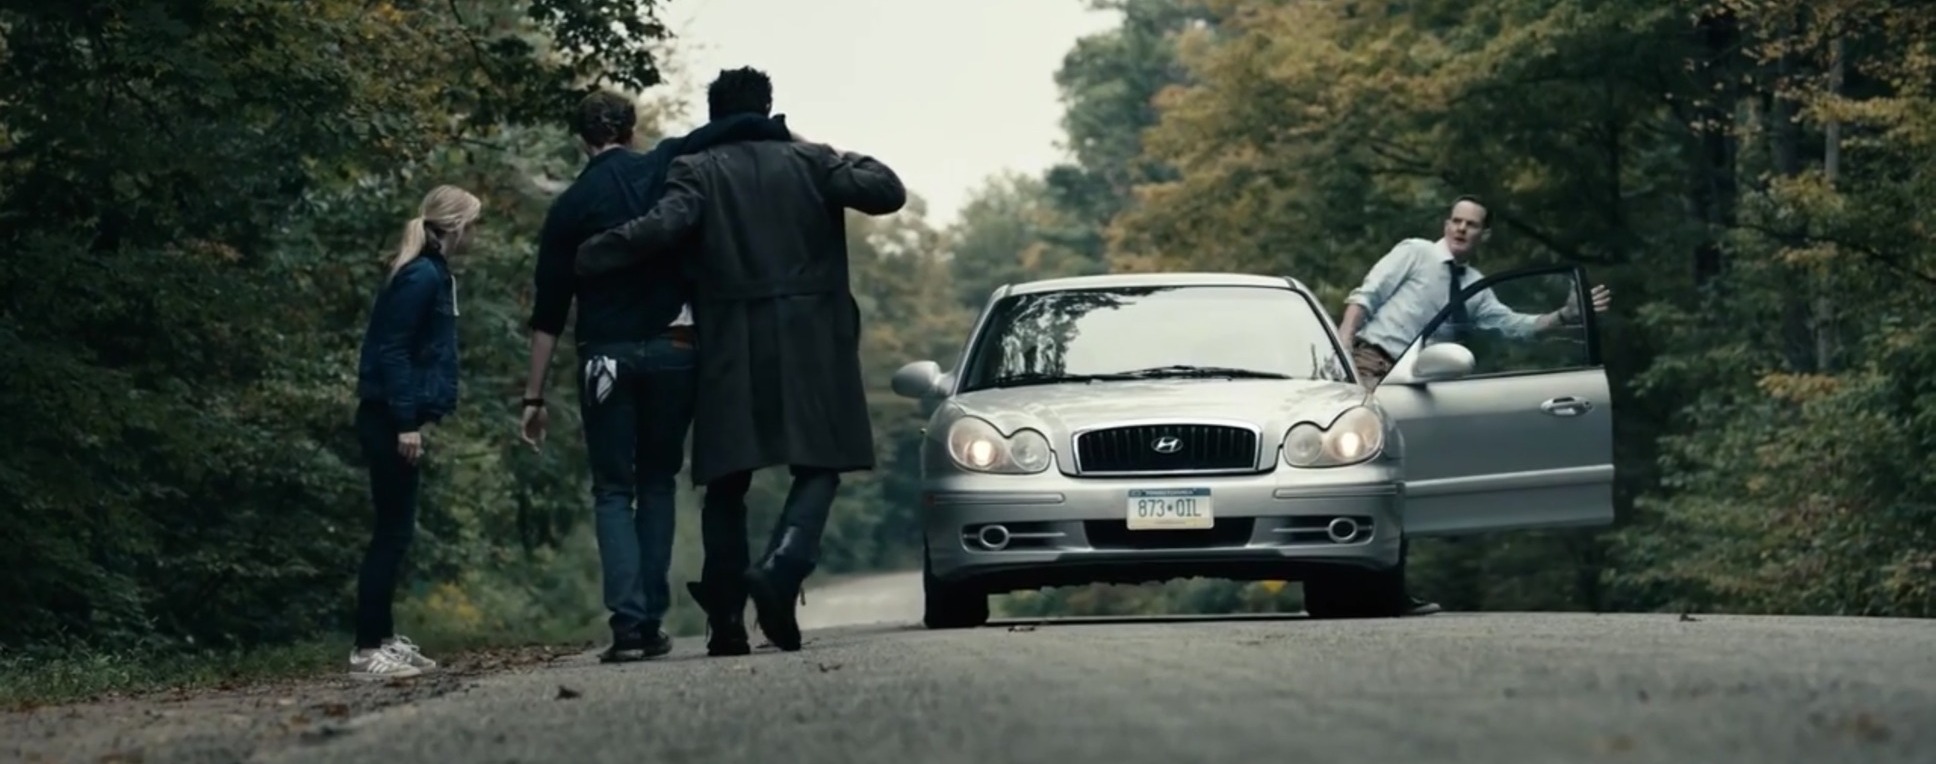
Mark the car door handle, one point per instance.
(1566, 406)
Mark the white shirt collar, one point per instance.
(1444, 252)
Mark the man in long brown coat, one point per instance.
(778, 342)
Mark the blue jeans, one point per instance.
(636, 438)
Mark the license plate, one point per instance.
(1154, 509)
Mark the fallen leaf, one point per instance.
(325, 732)
(567, 693)
(1685, 618)
(826, 667)
(1022, 627)
(1616, 744)
(1864, 726)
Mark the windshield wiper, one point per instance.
(1040, 378)
(1199, 372)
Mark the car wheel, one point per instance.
(1356, 594)
(950, 606)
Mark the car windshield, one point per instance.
(1123, 333)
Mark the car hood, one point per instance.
(1272, 405)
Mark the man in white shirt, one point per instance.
(1408, 287)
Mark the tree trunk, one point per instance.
(1715, 192)
(1825, 344)
(1784, 154)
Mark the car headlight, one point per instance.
(1357, 434)
(977, 445)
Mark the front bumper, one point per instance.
(1061, 530)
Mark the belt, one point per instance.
(1374, 348)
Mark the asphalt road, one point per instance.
(863, 600)
(1491, 688)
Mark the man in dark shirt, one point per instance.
(763, 226)
(635, 347)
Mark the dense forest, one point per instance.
(198, 197)
(1750, 177)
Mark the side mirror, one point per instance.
(1443, 361)
(917, 380)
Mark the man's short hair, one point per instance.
(740, 91)
(1484, 220)
(605, 118)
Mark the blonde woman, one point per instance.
(406, 378)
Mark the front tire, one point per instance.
(948, 605)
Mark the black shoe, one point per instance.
(725, 608)
(1416, 606)
(637, 646)
(625, 648)
(774, 585)
(658, 644)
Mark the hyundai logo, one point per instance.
(1167, 445)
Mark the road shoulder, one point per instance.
(237, 723)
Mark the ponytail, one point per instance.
(445, 213)
(415, 236)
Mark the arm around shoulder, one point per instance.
(676, 215)
(862, 182)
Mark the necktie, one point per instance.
(1460, 320)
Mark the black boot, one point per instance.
(725, 604)
(774, 582)
(774, 585)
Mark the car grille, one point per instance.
(1115, 535)
(1198, 448)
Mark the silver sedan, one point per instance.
(1142, 427)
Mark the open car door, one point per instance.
(1505, 429)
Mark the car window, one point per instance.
(1500, 334)
(1079, 334)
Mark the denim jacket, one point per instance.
(409, 357)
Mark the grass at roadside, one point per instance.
(468, 627)
(31, 681)
(84, 674)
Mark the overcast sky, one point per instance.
(947, 92)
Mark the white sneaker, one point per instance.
(381, 663)
(409, 652)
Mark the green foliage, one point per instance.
(1747, 177)
(81, 675)
(1109, 82)
(188, 309)
(199, 197)
(1011, 231)
(1772, 422)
